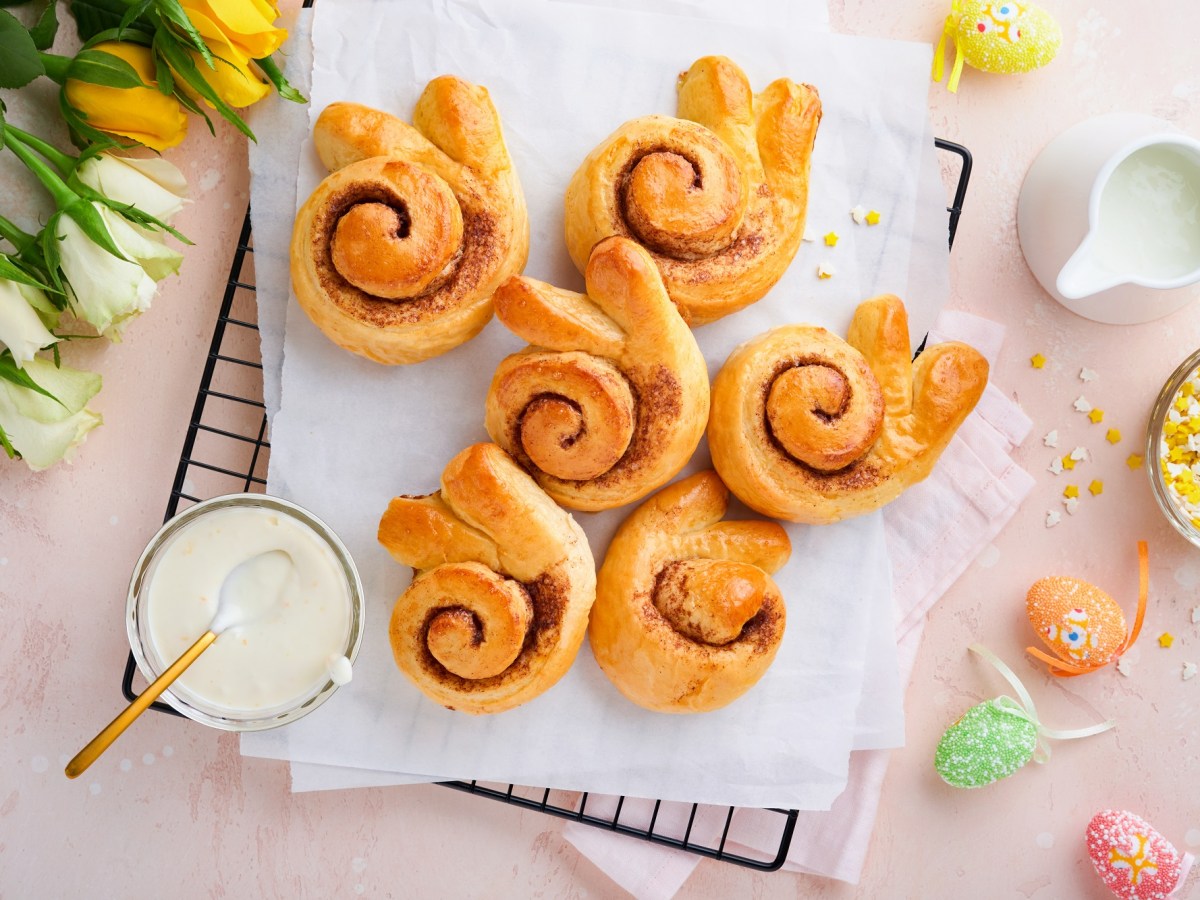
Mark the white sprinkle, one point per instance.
(94, 787)
(1045, 840)
(1079, 454)
(148, 759)
(1051, 438)
(1086, 374)
(1124, 666)
(358, 864)
(1189, 671)
(113, 520)
(40, 764)
(1081, 405)
(126, 765)
(1196, 615)
(809, 237)
(1071, 503)
(168, 751)
(1056, 466)
(826, 270)
(1053, 517)
(859, 215)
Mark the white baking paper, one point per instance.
(357, 431)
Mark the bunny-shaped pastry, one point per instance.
(505, 579)
(718, 196)
(810, 428)
(687, 618)
(611, 400)
(396, 254)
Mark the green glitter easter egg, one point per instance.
(990, 742)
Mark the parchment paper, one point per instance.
(786, 750)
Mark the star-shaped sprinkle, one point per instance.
(1096, 488)
(1053, 517)
(1124, 666)
(1072, 504)
(873, 217)
(1056, 466)
(1097, 416)
(859, 215)
(1081, 404)
(1068, 462)
(1189, 671)
(1134, 461)
(1051, 438)
(1113, 436)
(1079, 454)
(1037, 361)
(825, 270)
(1087, 375)
(831, 239)
(1071, 490)
(1166, 639)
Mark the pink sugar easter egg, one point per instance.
(1080, 623)
(1134, 860)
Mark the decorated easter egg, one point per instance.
(990, 742)
(1005, 37)
(1135, 861)
(1080, 623)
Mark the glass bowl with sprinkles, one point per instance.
(1173, 449)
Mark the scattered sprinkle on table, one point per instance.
(873, 217)
(1196, 615)
(1166, 639)
(1072, 504)
(1087, 375)
(1097, 416)
(825, 270)
(1051, 438)
(1071, 490)
(1081, 404)
(859, 215)
(1056, 466)
(1113, 436)
(1189, 671)
(1068, 462)
(831, 239)
(1037, 361)
(1053, 517)
(1124, 666)
(1134, 461)
(1079, 454)
(1096, 487)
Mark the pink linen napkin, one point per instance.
(934, 531)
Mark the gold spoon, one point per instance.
(250, 590)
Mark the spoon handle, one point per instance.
(113, 730)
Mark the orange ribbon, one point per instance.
(1064, 669)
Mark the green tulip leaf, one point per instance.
(19, 60)
(46, 29)
(98, 67)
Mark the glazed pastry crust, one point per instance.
(504, 582)
(718, 195)
(810, 428)
(687, 618)
(612, 398)
(397, 253)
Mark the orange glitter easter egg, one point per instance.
(1080, 623)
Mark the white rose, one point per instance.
(152, 185)
(22, 329)
(42, 430)
(108, 291)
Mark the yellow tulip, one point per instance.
(244, 24)
(232, 77)
(142, 114)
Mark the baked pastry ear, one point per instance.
(611, 400)
(718, 196)
(396, 254)
(687, 617)
(504, 581)
(811, 428)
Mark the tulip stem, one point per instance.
(56, 66)
(65, 163)
(63, 195)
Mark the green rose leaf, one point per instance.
(46, 29)
(19, 60)
(275, 76)
(10, 371)
(173, 12)
(98, 67)
(95, 16)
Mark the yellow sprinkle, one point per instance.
(1114, 435)
(1037, 360)
(1096, 487)
(831, 239)
(873, 217)
(1188, 389)
(1097, 416)
(1071, 490)
(1166, 639)
(1196, 522)
(1170, 428)
(1068, 463)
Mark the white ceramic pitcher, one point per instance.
(1109, 218)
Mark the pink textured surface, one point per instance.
(172, 808)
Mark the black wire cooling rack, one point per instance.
(225, 451)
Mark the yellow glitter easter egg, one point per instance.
(1080, 623)
(1000, 36)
